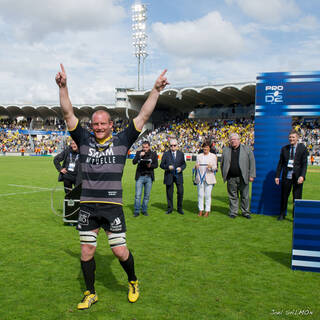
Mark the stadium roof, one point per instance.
(54, 111)
(171, 100)
(187, 99)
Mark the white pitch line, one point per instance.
(39, 189)
(17, 193)
(29, 187)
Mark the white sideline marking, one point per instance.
(26, 192)
(29, 187)
(17, 193)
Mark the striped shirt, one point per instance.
(102, 165)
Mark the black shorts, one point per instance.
(110, 217)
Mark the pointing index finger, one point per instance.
(163, 73)
(62, 68)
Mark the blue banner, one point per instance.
(288, 94)
(279, 97)
(306, 236)
(35, 132)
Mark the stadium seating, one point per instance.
(189, 132)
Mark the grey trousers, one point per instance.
(235, 187)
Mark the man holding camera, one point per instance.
(147, 161)
(69, 171)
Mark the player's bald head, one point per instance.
(101, 114)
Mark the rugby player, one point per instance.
(102, 158)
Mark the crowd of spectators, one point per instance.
(310, 135)
(10, 124)
(13, 141)
(189, 132)
(192, 133)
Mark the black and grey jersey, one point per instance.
(102, 165)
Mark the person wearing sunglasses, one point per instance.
(173, 163)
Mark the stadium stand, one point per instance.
(310, 135)
(50, 135)
(191, 133)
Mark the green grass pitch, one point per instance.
(188, 267)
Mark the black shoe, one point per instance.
(181, 211)
(145, 213)
(247, 216)
(136, 215)
(168, 211)
(281, 218)
(232, 216)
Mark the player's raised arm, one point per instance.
(65, 103)
(150, 103)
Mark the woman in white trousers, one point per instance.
(205, 167)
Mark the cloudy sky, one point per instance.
(199, 42)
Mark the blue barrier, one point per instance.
(36, 132)
(279, 97)
(306, 236)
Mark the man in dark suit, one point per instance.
(147, 161)
(173, 163)
(293, 165)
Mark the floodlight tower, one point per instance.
(139, 18)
